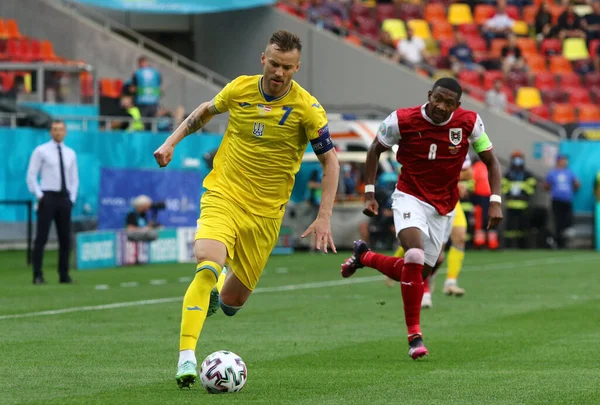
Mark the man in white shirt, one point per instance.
(411, 51)
(500, 25)
(56, 193)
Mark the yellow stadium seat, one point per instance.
(420, 28)
(575, 49)
(459, 13)
(395, 27)
(528, 97)
(438, 74)
(521, 28)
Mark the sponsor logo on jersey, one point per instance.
(324, 130)
(383, 129)
(263, 107)
(244, 104)
(455, 136)
(454, 150)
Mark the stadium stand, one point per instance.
(551, 60)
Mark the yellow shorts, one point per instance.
(249, 238)
(460, 219)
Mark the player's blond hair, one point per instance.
(285, 41)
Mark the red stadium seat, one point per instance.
(570, 80)
(513, 12)
(445, 46)
(483, 12)
(435, 12)
(385, 11)
(578, 95)
(87, 85)
(551, 96)
(48, 51)
(545, 81)
(594, 44)
(410, 12)
(3, 30)
(469, 77)
(529, 14)
(496, 48)
(367, 26)
(469, 30)
(536, 63)
(527, 45)
(107, 88)
(551, 46)
(12, 29)
(13, 50)
(510, 94)
(36, 50)
(490, 76)
(595, 93)
(592, 79)
(359, 10)
(515, 80)
(442, 30)
(25, 50)
(542, 111)
(559, 64)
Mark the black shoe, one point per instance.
(67, 280)
(39, 281)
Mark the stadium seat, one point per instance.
(445, 46)
(551, 46)
(48, 51)
(367, 26)
(435, 12)
(7, 79)
(536, 63)
(469, 30)
(410, 12)
(3, 30)
(529, 14)
(588, 113)
(479, 48)
(563, 113)
(542, 111)
(395, 27)
(359, 10)
(459, 13)
(36, 50)
(545, 80)
(420, 28)
(592, 79)
(513, 12)
(87, 85)
(442, 30)
(570, 80)
(556, 10)
(528, 97)
(483, 12)
(514, 80)
(595, 93)
(13, 50)
(12, 29)
(24, 50)
(490, 76)
(528, 46)
(575, 49)
(510, 94)
(118, 87)
(551, 96)
(476, 93)
(520, 28)
(559, 64)
(385, 11)
(107, 88)
(578, 95)
(470, 77)
(496, 47)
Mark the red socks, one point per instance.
(412, 294)
(426, 284)
(387, 265)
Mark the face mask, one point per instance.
(518, 161)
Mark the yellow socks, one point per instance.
(195, 304)
(399, 252)
(221, 280)
(455, 262)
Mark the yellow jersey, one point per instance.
(264, 143)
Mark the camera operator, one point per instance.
(137, 219)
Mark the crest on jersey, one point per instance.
(455, 136)
(258, 130)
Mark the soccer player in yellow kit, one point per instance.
(271, 121)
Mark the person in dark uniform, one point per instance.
(518, 185)
(138, 218)
(56, 193)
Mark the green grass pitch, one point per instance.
(526, 332)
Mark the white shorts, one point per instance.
(410, 212)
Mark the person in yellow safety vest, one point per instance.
(518, 185)
(137, 124)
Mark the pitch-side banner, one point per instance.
(178, 189)
(177, 6)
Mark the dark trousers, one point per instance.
(563, 219)
(53, 207)
(517, 227)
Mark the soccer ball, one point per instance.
(223, 371)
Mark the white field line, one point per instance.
(306, 286)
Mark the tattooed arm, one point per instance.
(196, 120)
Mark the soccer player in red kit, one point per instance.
(433, 141)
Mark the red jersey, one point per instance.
(431, 155)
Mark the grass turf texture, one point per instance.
(527, 331)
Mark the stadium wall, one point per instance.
(338, 73)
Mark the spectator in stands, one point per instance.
(562, 184)
(500, 25)
(146, 83)
(331, 15)
(591, 22)
(512, 58)
(570, 25)
(461, 55)
(134, 122)
(411, 51)
(495, 98)
(349, 180)
(543, 23)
